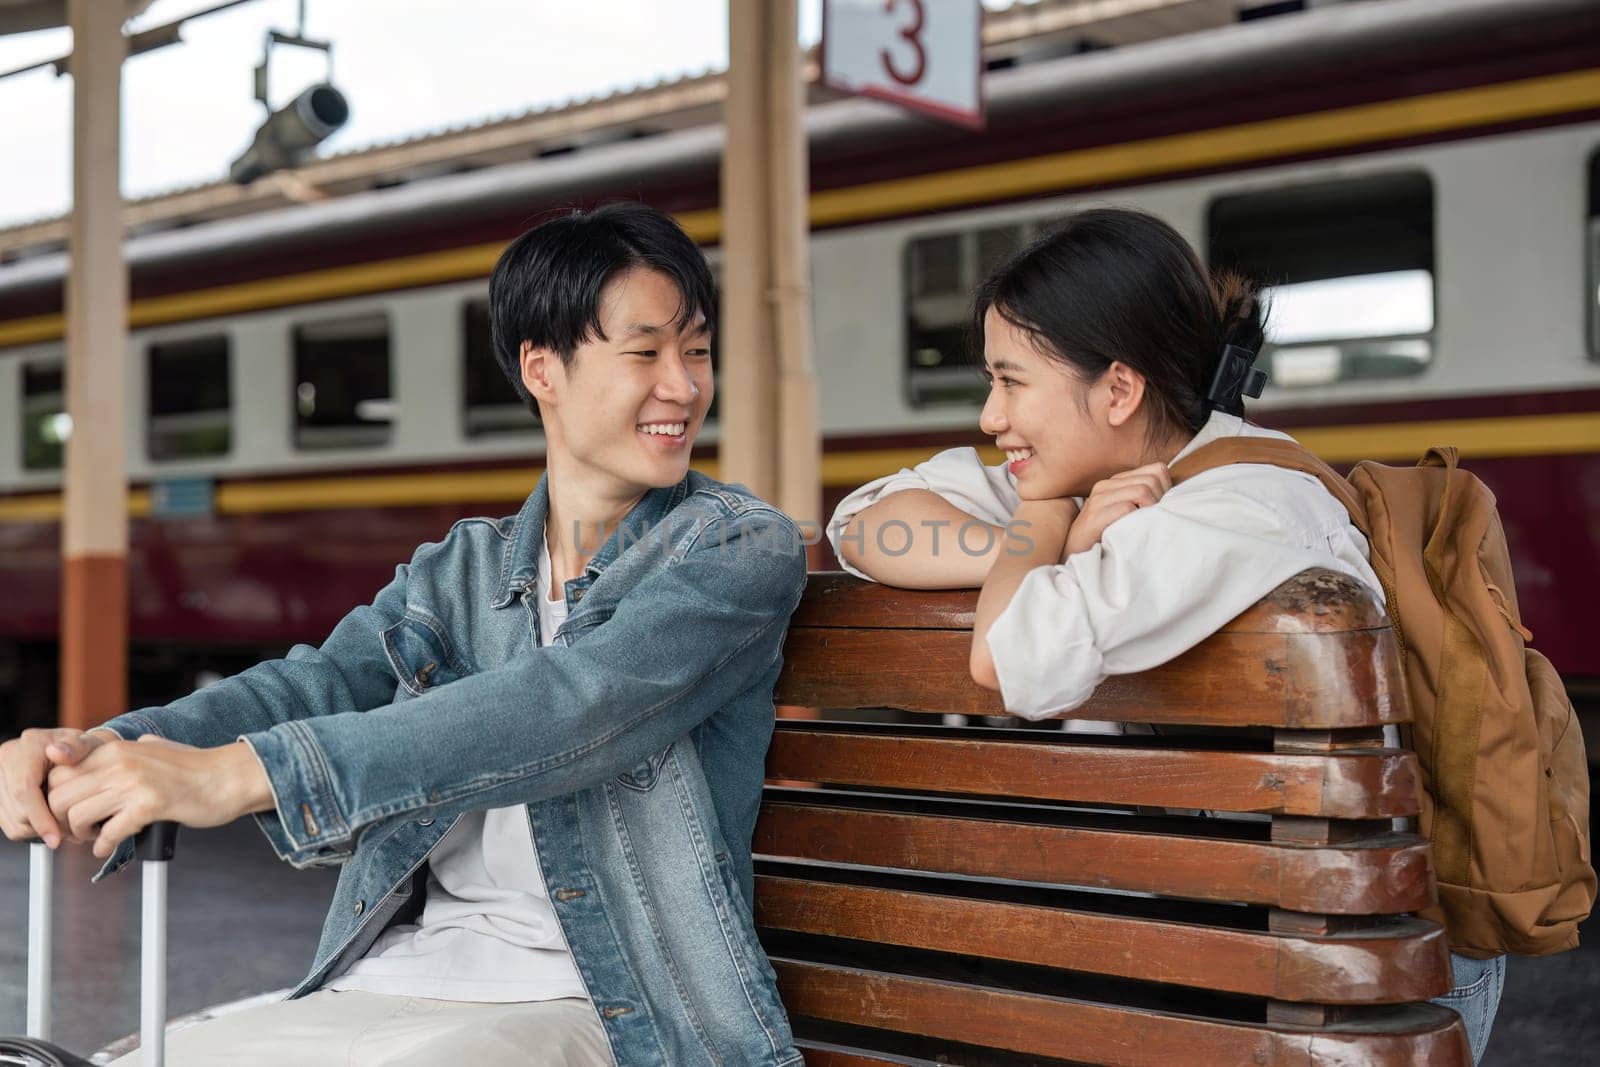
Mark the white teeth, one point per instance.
(666, 429)
(1016, 455)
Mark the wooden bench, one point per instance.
(1004, 896)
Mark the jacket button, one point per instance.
(577, 595)
(424, 676)
(424, 822)
(361, 906)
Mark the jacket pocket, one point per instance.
(420, 655)
(643, 777)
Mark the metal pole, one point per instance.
(94, 536)
(153, 964)
(40, 876)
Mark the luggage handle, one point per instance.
(156, 844)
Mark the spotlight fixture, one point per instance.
(289, 134)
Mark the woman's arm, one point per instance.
(938, 525)
(1048, 522)
(1062, 528)
(916, 539)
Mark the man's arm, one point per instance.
(556, 719)
(347, 672)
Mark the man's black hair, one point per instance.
(546, 287)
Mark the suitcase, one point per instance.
(155, 846)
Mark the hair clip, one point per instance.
(1237, 377)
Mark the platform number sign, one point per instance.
(923, 54)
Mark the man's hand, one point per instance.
(24, 762)
(124, 786)
(1117, 496)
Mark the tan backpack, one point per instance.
(1506, 779)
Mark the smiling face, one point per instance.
(1060, 433)
(624, 410)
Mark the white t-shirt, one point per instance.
(1161, 579)
(487, 931)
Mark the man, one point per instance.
(538, 752)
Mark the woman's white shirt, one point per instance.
(1159, 582)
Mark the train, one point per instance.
(312, 395)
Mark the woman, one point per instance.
(1102, 344)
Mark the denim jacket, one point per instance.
(636, 740)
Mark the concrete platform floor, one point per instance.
(242, 922)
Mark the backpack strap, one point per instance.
(1272, 452)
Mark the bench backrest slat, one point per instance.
(1371, 784)
(1390, 966)
(1269, 667)
(1042, 1025)
(1385, 876)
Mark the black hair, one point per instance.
(546, 286)
(1114, 285)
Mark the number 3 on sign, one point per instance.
(912, 35)
(921, 54)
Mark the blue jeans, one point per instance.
(1476, 996)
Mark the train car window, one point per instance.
(941, 272)
(492, 405)
(1348, 271)
(1594, 255)
(45, 422)
(191, 399)
(342, 394)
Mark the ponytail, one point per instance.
(1241, 327)
(1237, 299)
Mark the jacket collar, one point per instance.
(519, 565)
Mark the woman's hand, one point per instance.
(123, 786)
(1117, 496)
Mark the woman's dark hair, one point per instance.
(1113, 285)
(546, 286)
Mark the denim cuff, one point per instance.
(305, 825)
(132, 725)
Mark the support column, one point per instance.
(94, 530)
(799, 459)
(769, 405)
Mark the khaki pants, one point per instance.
(355, 1029)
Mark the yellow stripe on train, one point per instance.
(1482, 438)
